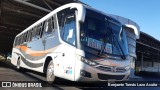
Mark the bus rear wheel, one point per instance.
(50, 72)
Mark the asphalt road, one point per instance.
(9, 73)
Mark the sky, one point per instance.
(146, 13)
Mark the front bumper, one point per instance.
(89, 73)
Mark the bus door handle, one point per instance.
(63, 54)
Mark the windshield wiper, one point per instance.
(102, 48)
(123, 55)
(104, 41)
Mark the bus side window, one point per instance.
(53, 20)
(15, 42)
(30, 36)
(42, 30)
(48, 27)
(67, 25)
(34, 33)
(22, 38)
(38, 31)
(19, 40)
(26, 37)
(60, 16)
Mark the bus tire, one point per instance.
(50, 72)
(18, 67)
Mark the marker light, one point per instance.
(127, 67)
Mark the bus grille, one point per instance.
(120, 69)
(107, 77)
(110, 69)
(105, 68)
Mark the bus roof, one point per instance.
(122, 20)
(77, 5)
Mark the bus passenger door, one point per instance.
(67, 27)
(68, 62)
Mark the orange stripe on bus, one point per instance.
(34, 53)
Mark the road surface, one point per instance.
(9, 73)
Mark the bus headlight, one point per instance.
(127, 67)
(89, 62)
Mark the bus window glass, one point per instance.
(34, 34)
(48, 27)
(67, 26)
(101, 33)
(15, 42)
(19, 40)
(38, 31)
(27, 36)
(69, 30)
(22, 38)
(30, 36)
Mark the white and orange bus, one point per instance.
(74, 42)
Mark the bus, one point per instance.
(74, 42)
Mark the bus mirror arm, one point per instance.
(73, 8)
(81, 13)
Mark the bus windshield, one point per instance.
(103, 34)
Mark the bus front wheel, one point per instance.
(50, 72)
(18, 64)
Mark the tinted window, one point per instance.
(30, 36)
(15, 42)
(39, 31)
(103, 34)
(48, 27)
(36, 32)
(67, 25)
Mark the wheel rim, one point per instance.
(50, 71)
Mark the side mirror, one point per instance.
(81, 11)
